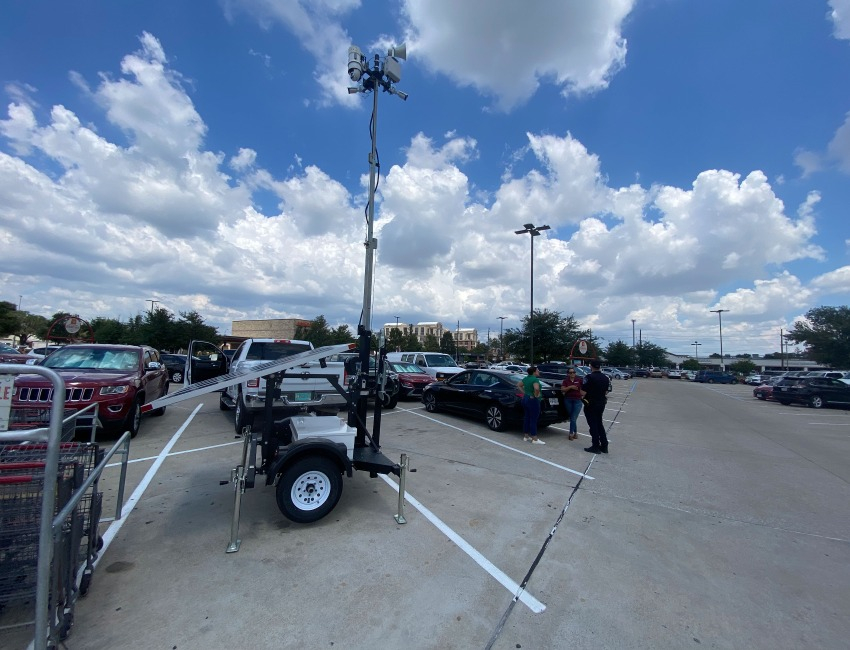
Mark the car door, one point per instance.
(204, 361)
(155, 375)
(835, 391)
(453, 391)
(473, 392)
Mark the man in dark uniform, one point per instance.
(596, 386)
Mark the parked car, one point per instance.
(816, 392)
(765, 390)
(8, 354)
(615, 373)
(490, 395)
(120, 378)
(656, 372)
(689, 375)
(753, 380)
(176, 365)
(674, 374)
(715, 377)
(641, 372)
(38, 353)
(440, 366)
(412, 379)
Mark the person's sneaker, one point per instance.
(526, 438)
(537, 442)
(593, 450)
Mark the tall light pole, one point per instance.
(719, 313)
(696, 349)
(152, 302)
(501, 348)
(633, 333)
(534, 231)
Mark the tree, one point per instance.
(8, 318)
(826, 334)
(743, 366)
(554, 336)
(650, 354)
(107, 330)
(619, 353)
(690, 364)
(431, 343)
(447, 343)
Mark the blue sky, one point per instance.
(688, 156)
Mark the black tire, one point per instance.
(761, 397)
(309, 489)
(389, 401)
(177, 376)
(222, 404)
(430, 402)
(85, 583)
(495, 417)
(710, 381)
(817, 402)
(133, 419)
(784, 402)
(244, 418)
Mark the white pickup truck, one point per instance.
(299, 391)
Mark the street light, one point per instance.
(501, 349)
(696, 349)
(534, 231)
(152, 302)
(719, 313)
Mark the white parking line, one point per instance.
(178, 453)
(518, 592)
(504, 446)
(115, 526)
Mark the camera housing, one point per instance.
(355, 63)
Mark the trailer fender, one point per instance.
(292, 453)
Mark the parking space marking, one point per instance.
(514, 588)
(178, 453)
(128, 506)
(504, 446)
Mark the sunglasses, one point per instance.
(571, 372)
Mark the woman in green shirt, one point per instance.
(531, 397)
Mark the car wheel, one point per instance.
(133, 419)
(309, 489)
(177, 376)
(495, 417)
(761, 397)
(244, 418)
(816, 402)
(784, 402)
(430, 403)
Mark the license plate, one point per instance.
(303, 397)
(553, 401)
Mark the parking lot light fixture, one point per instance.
(534, 231)
(501, 349)
(719, 313)
(696, 349)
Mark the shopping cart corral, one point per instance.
(50, 510)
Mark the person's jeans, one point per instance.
(531, 414)
(573, 407)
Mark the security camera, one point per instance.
(355, 63)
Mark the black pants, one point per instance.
(593, 415)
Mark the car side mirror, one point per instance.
(153, 365)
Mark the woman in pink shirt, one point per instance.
(571, 388)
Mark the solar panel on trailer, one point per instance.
(233, 378)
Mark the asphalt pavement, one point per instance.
(716, 520)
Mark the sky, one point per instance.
(687, 156)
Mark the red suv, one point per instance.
(120, 378)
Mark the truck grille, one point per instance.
(45, 395)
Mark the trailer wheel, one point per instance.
(389, 401)
(85, 583)
(309, 489)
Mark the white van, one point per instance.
(440, 366)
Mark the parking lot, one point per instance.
(716, 521)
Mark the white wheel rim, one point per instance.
(494, 417)
(310, 490)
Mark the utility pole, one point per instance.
(633, 333)
(534, 231)
(719, 313)
(696, 349)
(501, 349)
(152, 302)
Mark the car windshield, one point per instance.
(440, 361)
(406, 367)
(274, 350)
(8, 349)
(93, 358)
